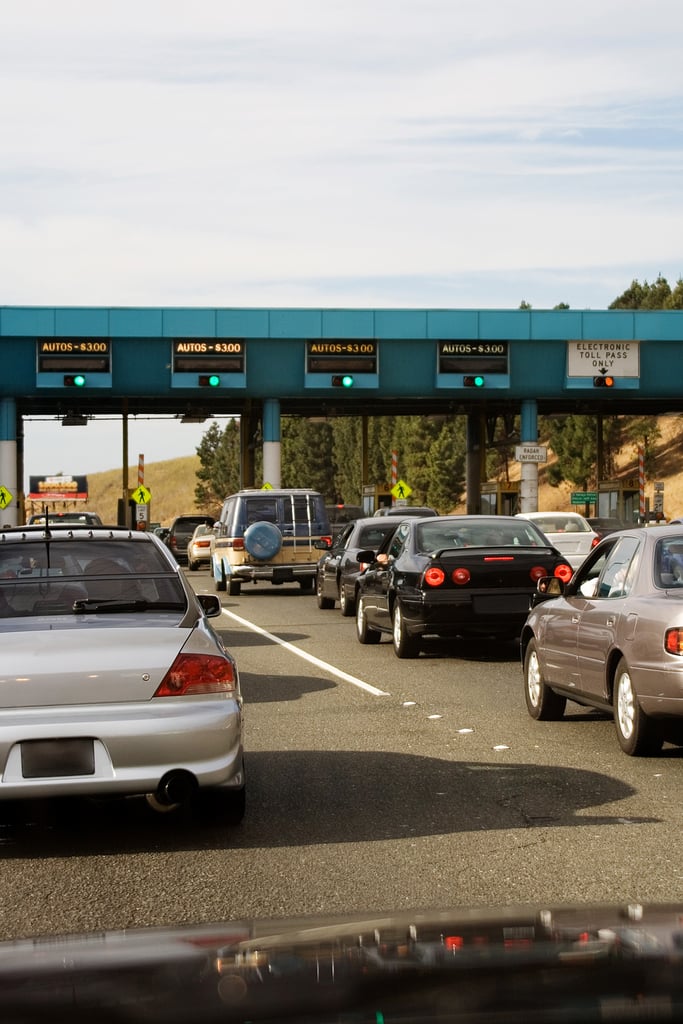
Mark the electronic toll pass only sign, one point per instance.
(592, 358)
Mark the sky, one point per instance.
(344, 153)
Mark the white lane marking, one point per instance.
(309, 657)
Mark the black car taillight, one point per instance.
(434, 576)
(563, 572)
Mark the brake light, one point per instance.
(499, 558)
(198, 673)
(238, 544)
(673, 640)
(461, 576)
(596, 540)
(537, 572)
(328, 540)
(563, 572)
(434, 576)
(202, 543)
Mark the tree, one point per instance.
(219, 471)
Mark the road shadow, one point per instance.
(306, 798)
(261, 689)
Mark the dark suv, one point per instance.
(268, 535)
(180, 533)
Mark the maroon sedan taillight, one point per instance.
(537, 572)
(673, 640)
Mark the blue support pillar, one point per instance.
(528, 434)
(271, 442)
(9, 485)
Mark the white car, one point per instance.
(569, 532)
(113, 681)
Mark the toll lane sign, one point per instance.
(589, 358)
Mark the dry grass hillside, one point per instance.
(172, 483)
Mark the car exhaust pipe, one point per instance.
(176, 787)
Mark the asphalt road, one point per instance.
(373, 784)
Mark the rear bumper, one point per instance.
(454, 614)
(286, 573)
(134, 747)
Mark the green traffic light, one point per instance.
(478, 382)
(214, 380)
(347, 380)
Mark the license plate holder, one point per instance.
(53, 759)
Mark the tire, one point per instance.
(405, 646)
(193, 566)
(542, 703)
(638, 735)
(262, 541)
(234, 587)
(323, 602)
(220, 581)
(347, 605)
(366, 634)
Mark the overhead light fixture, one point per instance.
(194, 416)
(73, 419)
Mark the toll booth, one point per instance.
(376, 496)
(619, 499)
(500, 499)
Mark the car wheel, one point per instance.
(366, 634)
(220, 580)
(542, 703)
(193, 566)
(405, 645)
(637, 734)
(323, 602)
(347, 605)
(234, 587)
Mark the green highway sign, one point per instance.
(584, 497)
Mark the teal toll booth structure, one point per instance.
(76, 363)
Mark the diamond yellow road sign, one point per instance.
(5, 497)
(141, 495)
(401, 490)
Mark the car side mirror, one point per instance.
(547, 587)
(211, 605)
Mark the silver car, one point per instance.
(612, 638)
(569, 532)
(113, 681)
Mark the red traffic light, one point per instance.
(603, 381)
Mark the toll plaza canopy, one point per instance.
(88, 360)
(76, 363)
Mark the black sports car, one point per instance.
(452, 576)
(339, 570)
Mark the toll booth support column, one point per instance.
(528, 434)
(9, 486)
(271, 442)
(475, 461)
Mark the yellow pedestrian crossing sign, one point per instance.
(5, 497)
(401, 490)
(141, 495)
